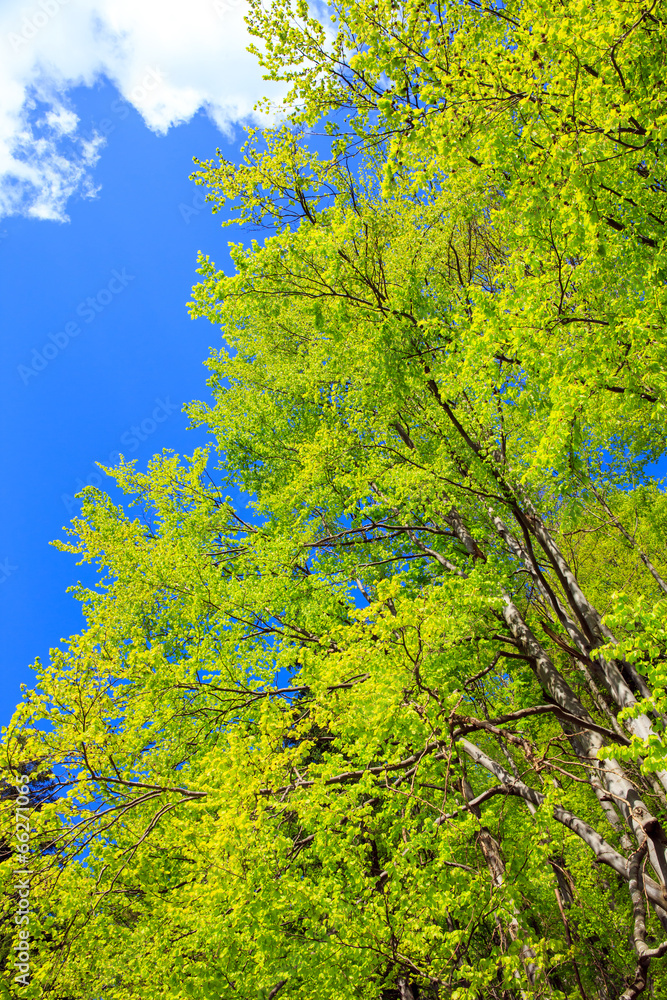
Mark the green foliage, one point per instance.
(442, 384)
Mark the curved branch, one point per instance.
(603, 851)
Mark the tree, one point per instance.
(401, 733)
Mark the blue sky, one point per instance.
(103, 104)
(98, 351)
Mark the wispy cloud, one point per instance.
(166, 57)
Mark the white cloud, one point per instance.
(168, 58)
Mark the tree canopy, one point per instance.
(399, 734)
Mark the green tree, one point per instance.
(401, 734)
